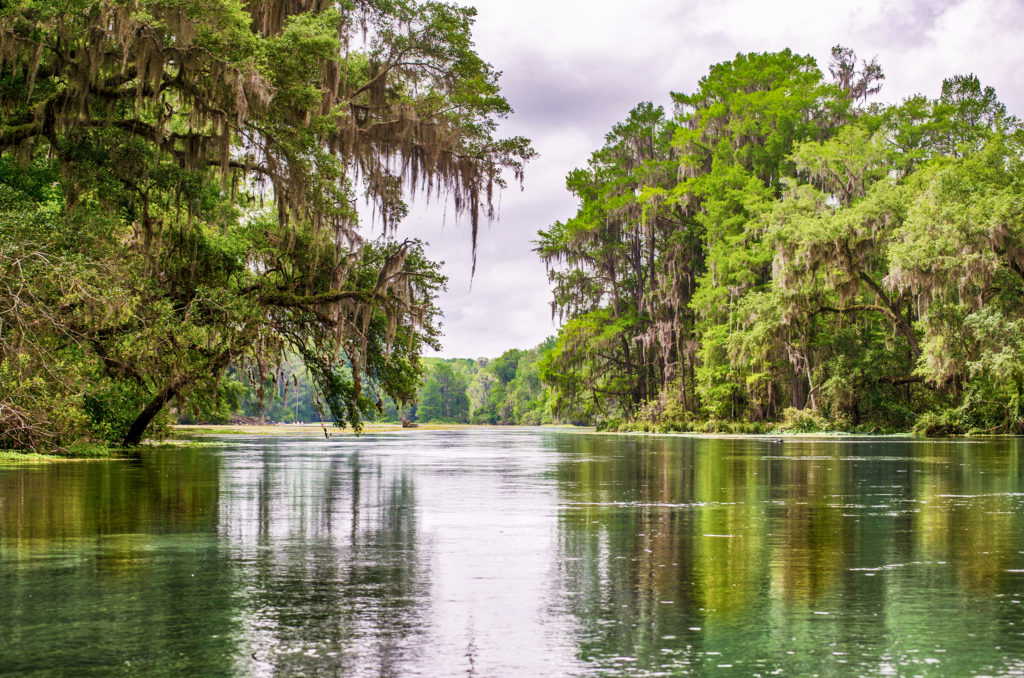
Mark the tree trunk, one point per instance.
(895, 314)
(145, 418)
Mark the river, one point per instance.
(519, 552)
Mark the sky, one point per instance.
(572, 69)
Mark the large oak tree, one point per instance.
(179, 192)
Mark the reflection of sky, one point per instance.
(571, 69)
(490, 602)
(521, 553)
(456, 543)
(509, 552)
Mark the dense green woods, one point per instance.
(780, 250)
(503, 390)
(179, 183)
(180, 234)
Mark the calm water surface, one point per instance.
(518, 553)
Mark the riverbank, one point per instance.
(97, 454)
(32, 457)
(376, 428)
(316, 429)
(186, 435)
(186, 431)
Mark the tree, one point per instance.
(961, 253)
(856, 84)
(966, 115)
(479, 391)
(738, 130)
(861, 261)
(443, 397)
(204, 160)
(627, 315)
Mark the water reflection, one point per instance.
(803, 556)
(519, 552)
(106, 567)
(326, 556)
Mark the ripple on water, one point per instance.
(447, 553)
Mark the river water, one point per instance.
(519, 552)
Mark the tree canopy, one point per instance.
(179, 192)
(778, 249)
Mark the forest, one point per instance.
(186, 190)
(506, 390)
(781, 252)
(503, 390)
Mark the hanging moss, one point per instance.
(220, 150)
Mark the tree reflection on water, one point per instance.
(806, 554)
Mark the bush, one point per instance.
(612, 424)
(803, 421)
(945, 422)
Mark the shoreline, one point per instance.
(316, 430)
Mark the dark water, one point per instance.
(519, 553)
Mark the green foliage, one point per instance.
(503, 390)
(177, 206)
(845, 266)
(443, 396)
(628, 320)
(803, 421)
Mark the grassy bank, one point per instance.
(92, 454)
(187, 430)
(792, 421)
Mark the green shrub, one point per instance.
(803, 421)
(945, 422)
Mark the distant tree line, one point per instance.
(503, 390)
(779, 250)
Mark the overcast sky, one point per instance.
(573, 69)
